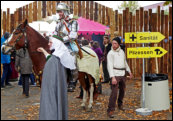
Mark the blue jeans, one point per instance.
(32, 78)
(6, 74)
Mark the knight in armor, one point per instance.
(66, 31)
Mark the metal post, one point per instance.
(143, 111)
(143, 83)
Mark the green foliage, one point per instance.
(167, 3)
(132, 5)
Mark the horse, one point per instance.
(26, 37)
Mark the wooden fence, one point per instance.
(142, 21)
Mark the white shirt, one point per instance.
(116, 59)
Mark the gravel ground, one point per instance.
(14, 106)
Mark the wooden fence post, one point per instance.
(12, 23)
(170, 44)
(39, 17)
(87, 9)
(35, 11)
(30, 13)
(103, 14)
(43, 9)
(79, 9)
(96, 12)
(8, 20)
(4, 22)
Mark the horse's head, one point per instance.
(17, 39)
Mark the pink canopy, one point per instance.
(90, 27)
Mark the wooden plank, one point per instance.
(16, 18)
(24, 13)
(120, 24)
(35, 11)
(87, 9)
(71, 7)
(43, 9)
(111, 14)
(8, 20)
(96, 12)
(170, 44)
(131, 45)
(20, 11)
(75, 8)
(141, 19)
(146, 21)
(158, 29)
(134, 45)
(27, 12)
(103, 14)
(100, 14)
(39, 17)
(116, 20)
(79, 9)
(83, 9)
(4, 22)
(137, 74)
(161, 43)
(30, 13)
(107, 21)
(166, 45)
(91, 10)
(150, 20)
(141, 14)
(12, 23)
(124, 22)
(49, 7)
(54, 7)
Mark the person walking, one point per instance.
(23, 65)
(5, 60)
(106, 49)
(117, 65)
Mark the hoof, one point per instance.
(83, 107)
(89, 109)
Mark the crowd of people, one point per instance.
(62, 62)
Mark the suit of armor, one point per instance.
(66, 31)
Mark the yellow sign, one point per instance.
(143, 37)
(145, 52)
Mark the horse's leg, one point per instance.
(84, 98)
(81, 78)
(91, 91)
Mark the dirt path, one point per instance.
(15, 106)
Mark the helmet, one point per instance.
(63, 7)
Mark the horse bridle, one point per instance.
(18, 39)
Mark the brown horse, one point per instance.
(26, 37)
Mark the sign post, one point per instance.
(144, 52)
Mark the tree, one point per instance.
(132, 5)
(167, 3)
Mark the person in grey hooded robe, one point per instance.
(53, 100)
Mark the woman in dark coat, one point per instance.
(53, 101)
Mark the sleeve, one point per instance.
(110, 64)
(47, 57)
